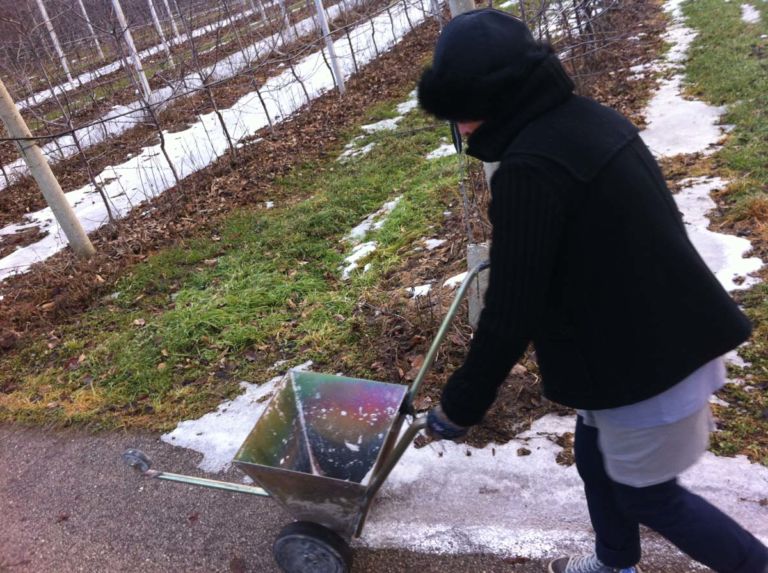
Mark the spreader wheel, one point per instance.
(138, 460)
(306, 547)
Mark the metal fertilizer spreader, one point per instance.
(323, 448)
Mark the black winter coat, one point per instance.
(590, 261)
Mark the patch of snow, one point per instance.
(351, 150)
(640, 71)
(677, 125)
(680, 126)
(489, 500)
(359, 252)
(148, 175)
(373, 221)
(507, 4)
(444, 150)
(724, 254)
(408, 105)
(383, 125)
(421, 290)
(218, 435)
(680, 37)
(269, 204)
(455, 281)
(749, 14)
(718, 401)
(432, 244)
(734, 359)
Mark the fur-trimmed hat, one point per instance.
(481, 58)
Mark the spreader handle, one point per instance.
(139, 461)
(450, 315)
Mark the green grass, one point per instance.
(185, 326)
(729, 66)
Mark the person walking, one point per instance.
(590, 261)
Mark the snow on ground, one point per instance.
(87, 77)
(353, 150)
(373, 221)
(420, 290)
(723, 253)
(455, 281)
(408, 105)
(506, 501)
(749, 14)
(639, 71)
(361, 250)
(390, 124)
(675, 124)
(444, 150)
(432, 244)
(121, 118)
(510, 500)
(383, 125)
(148, 175)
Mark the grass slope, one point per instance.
(729, 66)
(187, 325)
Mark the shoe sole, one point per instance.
(550, 570)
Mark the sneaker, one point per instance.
(586, 564)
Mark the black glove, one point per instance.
(439, 427)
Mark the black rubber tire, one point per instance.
(306, 547)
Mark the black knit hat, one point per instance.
(481, 58)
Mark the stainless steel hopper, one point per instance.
(319, 444)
